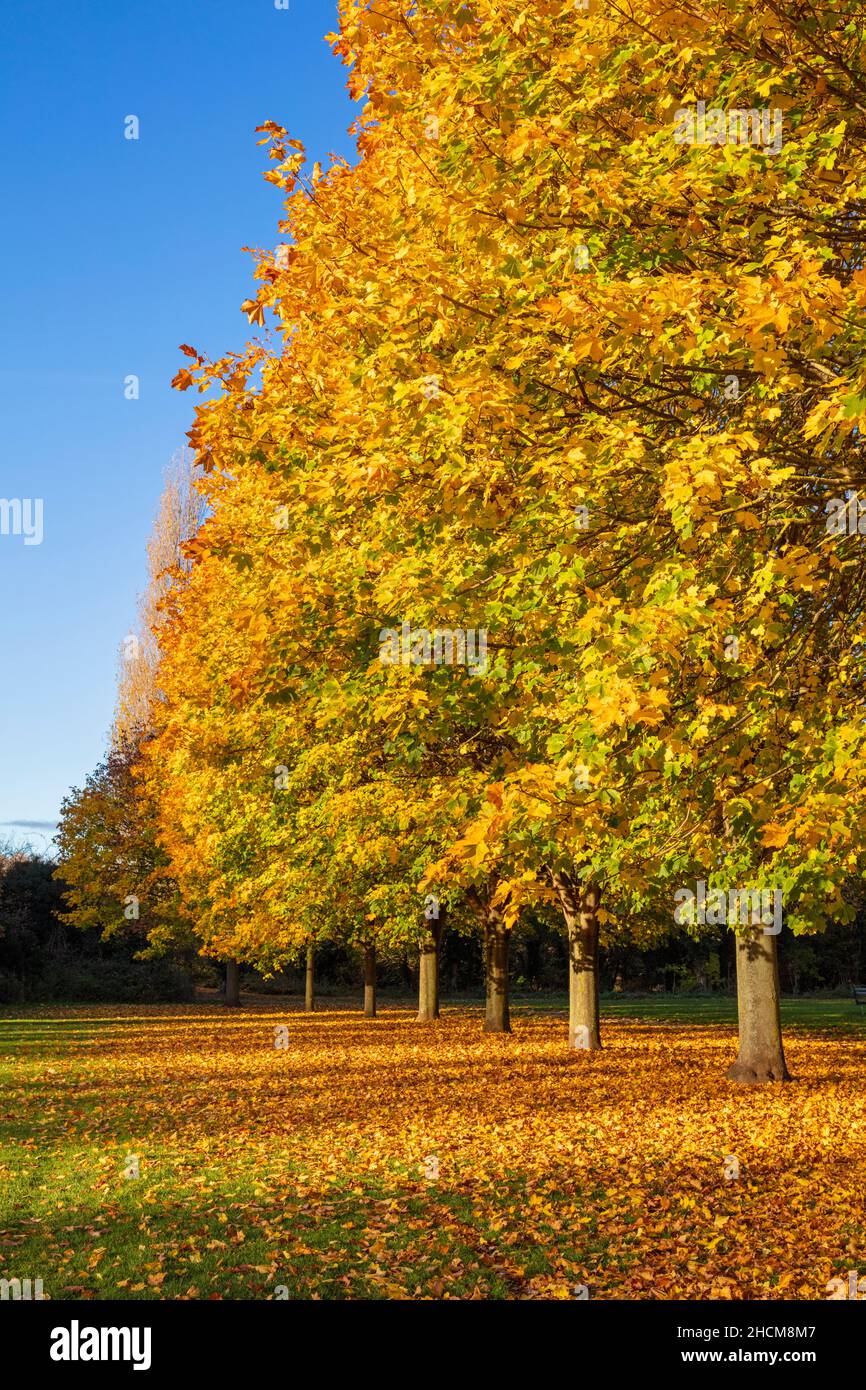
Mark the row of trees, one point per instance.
(548, 379)
(44, 958)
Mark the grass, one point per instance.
(802, 1012)
(382, 1159)
(813, 1012)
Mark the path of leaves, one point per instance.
(304, 1169)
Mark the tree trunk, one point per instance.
(370, 981)
(428, 973)
(761, 1057)
(233, 983)
(309, 997)
(496, 1016)
(580, 904)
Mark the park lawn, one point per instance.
(814, 1013)
(386, 1159)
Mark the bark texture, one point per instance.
(497, 1018)
(309, 982)
(580, 903)
(761, 1056)
(233, 983)
(370, 981)
(428, 973)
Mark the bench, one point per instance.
(860, 994)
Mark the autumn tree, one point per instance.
(686, 314)
(113, 870)
(555, 372)
(181, 512)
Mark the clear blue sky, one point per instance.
(114, 251)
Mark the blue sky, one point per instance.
(114, 252)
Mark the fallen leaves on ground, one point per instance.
(389, 1159)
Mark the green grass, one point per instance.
(802, 1012)
(812, 1012)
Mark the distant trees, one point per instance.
(42, 956)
